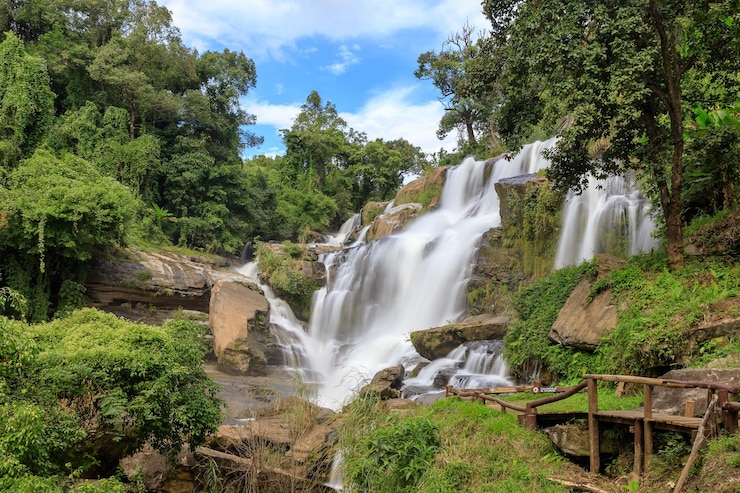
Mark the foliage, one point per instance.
(479, 449)
(532, 224)
(622, 74)
(283, 273)
(465, 74)
(395, 456)
(656, 309)
(527, 347)
(26, 102)
(136, 383)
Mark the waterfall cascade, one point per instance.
(377, 293)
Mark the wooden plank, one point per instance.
(689, 410)
(593, 426)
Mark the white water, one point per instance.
(610, 216)
(378, 293)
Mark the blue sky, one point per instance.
(358, 54)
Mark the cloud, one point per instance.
(346, 57)
(267, 28)
(388, 115)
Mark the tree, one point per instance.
(316, 140)
(616, 72)
(26, 102)
(464, 71)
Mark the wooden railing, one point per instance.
(718, 396)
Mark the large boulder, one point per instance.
(155, 281)
(439, 341)
(238, 318)
(573, 440)
(582, 321)
(719, 325)
(387, 382)
(673, 400)
(497, 264)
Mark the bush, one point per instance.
(393, 458)
(91, 375)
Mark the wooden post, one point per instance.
(729, 418)
(689, 410)
(638, 446)
(593, 425)
(648, 416)
(530, 417)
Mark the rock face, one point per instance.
(238, 319)
(430, 184)
(581, 324)
(439, 341)
(497, 264)
(673, 401)
(164, 281)
(393, 221)
(572, 439)
(517, 184)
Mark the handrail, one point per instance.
(557, 397)
(501, 402)
(665, 382)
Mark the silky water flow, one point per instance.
(377, 293)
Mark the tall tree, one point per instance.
(617, 71)
(316, 140)
(464, 71)
(26, 102)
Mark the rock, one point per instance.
(497, 264)
(371, 210)
(572, 439)
(313, 270)
(150, 465)
(311, 455)
(581, 324)
(392, 221)
(430, 185)
(154, 280)
(517, 184)
(720, 329)
(238, 319)
(386, 382)
(673, 401)
(439, 341)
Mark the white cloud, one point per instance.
(266, 27)
(346, 57)
(388, 115)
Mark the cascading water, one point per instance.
(609, 216)
(377, 293)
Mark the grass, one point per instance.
(579, 402)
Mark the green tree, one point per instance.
(616, 72)
(464, 71)
(26, 102)
(315, 142)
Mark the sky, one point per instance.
(360, 55)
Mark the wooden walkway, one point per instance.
(721, 411)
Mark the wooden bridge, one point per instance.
(721, 410)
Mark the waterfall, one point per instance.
(379, 292)
(610, 216)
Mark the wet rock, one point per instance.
(393, 221)
(430, 184)
(150, 465)
(386, 382)
(439, 341)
